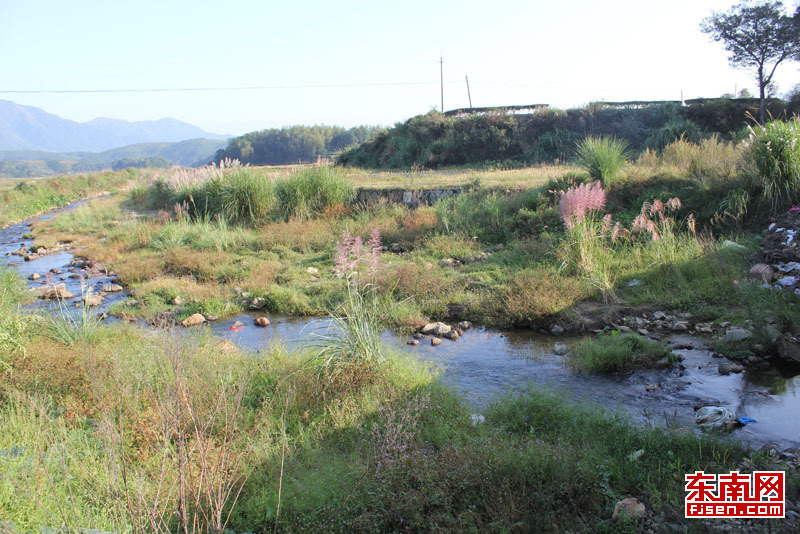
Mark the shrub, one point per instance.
(308, 193)
(775, 149)
(614, 353)
(602, 157)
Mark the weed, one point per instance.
(775, 149)
(309, 192)
(615, 353)
(70, 326)
(602, 157)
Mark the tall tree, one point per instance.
(758, 35)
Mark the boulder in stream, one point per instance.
(435, 329)
(58, 291)
(194, 320)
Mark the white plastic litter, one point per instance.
(787, 281)
(788, 267)
(476, 418)
(715, 418)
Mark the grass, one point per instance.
(510, 268)
(618, 352)
(23, 198)
(359, 439)
(602, 157)
(308, 193)
(94, 435)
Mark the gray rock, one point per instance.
(556, 330)
(436, 341)
(112, 288)
(54, 292)
(726, 368)
(642, 331)
(261, 321)
(91, 299)
(680, 326)
(703, 328)
(737, 334)
(464, 325)
(629, 508)
(762, 272)
(435, 329)
(561, 348)
(772, 333)
(452, 335)
(34, 276)
(413, 342)
(258, 303)
(789, 348)
(659, 316)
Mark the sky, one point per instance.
(354, 62)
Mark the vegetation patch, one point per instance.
(619, 352)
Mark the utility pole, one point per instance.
(441, 80)
(468, 93)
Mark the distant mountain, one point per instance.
(30, 128)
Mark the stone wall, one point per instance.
(410, 197)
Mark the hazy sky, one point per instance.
(514, 52)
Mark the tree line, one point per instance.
(295, 144)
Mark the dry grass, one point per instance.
(512, 178)
(534, 294)
(301, 236)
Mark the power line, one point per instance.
(200, 89)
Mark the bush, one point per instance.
(602, 157)
(775, 149)
(308, 193)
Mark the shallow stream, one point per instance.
(486, 362)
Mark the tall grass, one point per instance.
(309, 192)
(602, 157)
(70, 325)
(246, 196)
(775, 149)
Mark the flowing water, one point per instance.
(486, 362)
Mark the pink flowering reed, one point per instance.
(351, 253)
(577, 202)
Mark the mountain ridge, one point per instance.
(31, 128)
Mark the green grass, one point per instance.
(616, 353)
(309, 192)
(775, 149)
(23, 198)
(602, 157)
